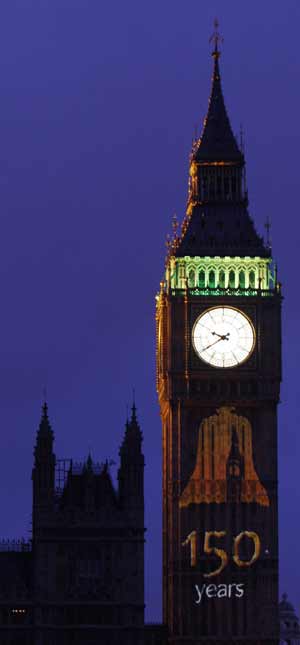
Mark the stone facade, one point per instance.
(81, 578)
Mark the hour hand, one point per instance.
(221, 336)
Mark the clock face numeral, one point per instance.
(223, 337)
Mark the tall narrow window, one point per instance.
(222, 279)
(242, 279)
(231, 279)
(212, 280)
(226, 188)
(192, 278)
(204, 188)
(252, 280)
(202, 278)
(211, 186)
(233, 187)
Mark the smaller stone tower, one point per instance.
(43, 473)
(131, 471)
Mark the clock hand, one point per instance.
(208, 346)
(223, 337)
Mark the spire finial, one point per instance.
(89, 462)
(216, 39)
(45, 405)
(133, 415)
(44, 426)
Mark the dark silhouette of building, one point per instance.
(81, 579)
(218, 382)
(289, 623)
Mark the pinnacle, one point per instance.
(133, 414)
(89, 462)
(44, 426)
(217, 142)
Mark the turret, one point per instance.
(43, 473)
(131, 471)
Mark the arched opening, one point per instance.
(192, 278)
(222, 279)
(202, 278)
(212, 280)
(242, 281)
(252, 279)
(232, 279)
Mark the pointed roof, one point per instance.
(44, 437)
(133, 429)
(89, 463)
(217, 142)
(45, 427)
(216, 226)
(220, 230)
(133, 435)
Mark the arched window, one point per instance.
(212, 280)
(252, 279)
(192, 278)
(202, 278)
(226, 188)
(233, 187)
(242, 279)
(204, 188)
(231, 279)
(219, 187)
(222, 279)
(211, 186)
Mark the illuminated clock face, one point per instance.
(223, 337)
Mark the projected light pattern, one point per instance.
(223, 337)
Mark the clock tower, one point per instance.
(218, 381)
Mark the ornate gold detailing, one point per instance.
(257, 547)
(208, 482)
(220, 553)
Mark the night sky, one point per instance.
(98, 106)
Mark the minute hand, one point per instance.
(208, 346)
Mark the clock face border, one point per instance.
(206, 364)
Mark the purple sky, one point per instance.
(98, 105)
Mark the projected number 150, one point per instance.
(192, 542)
